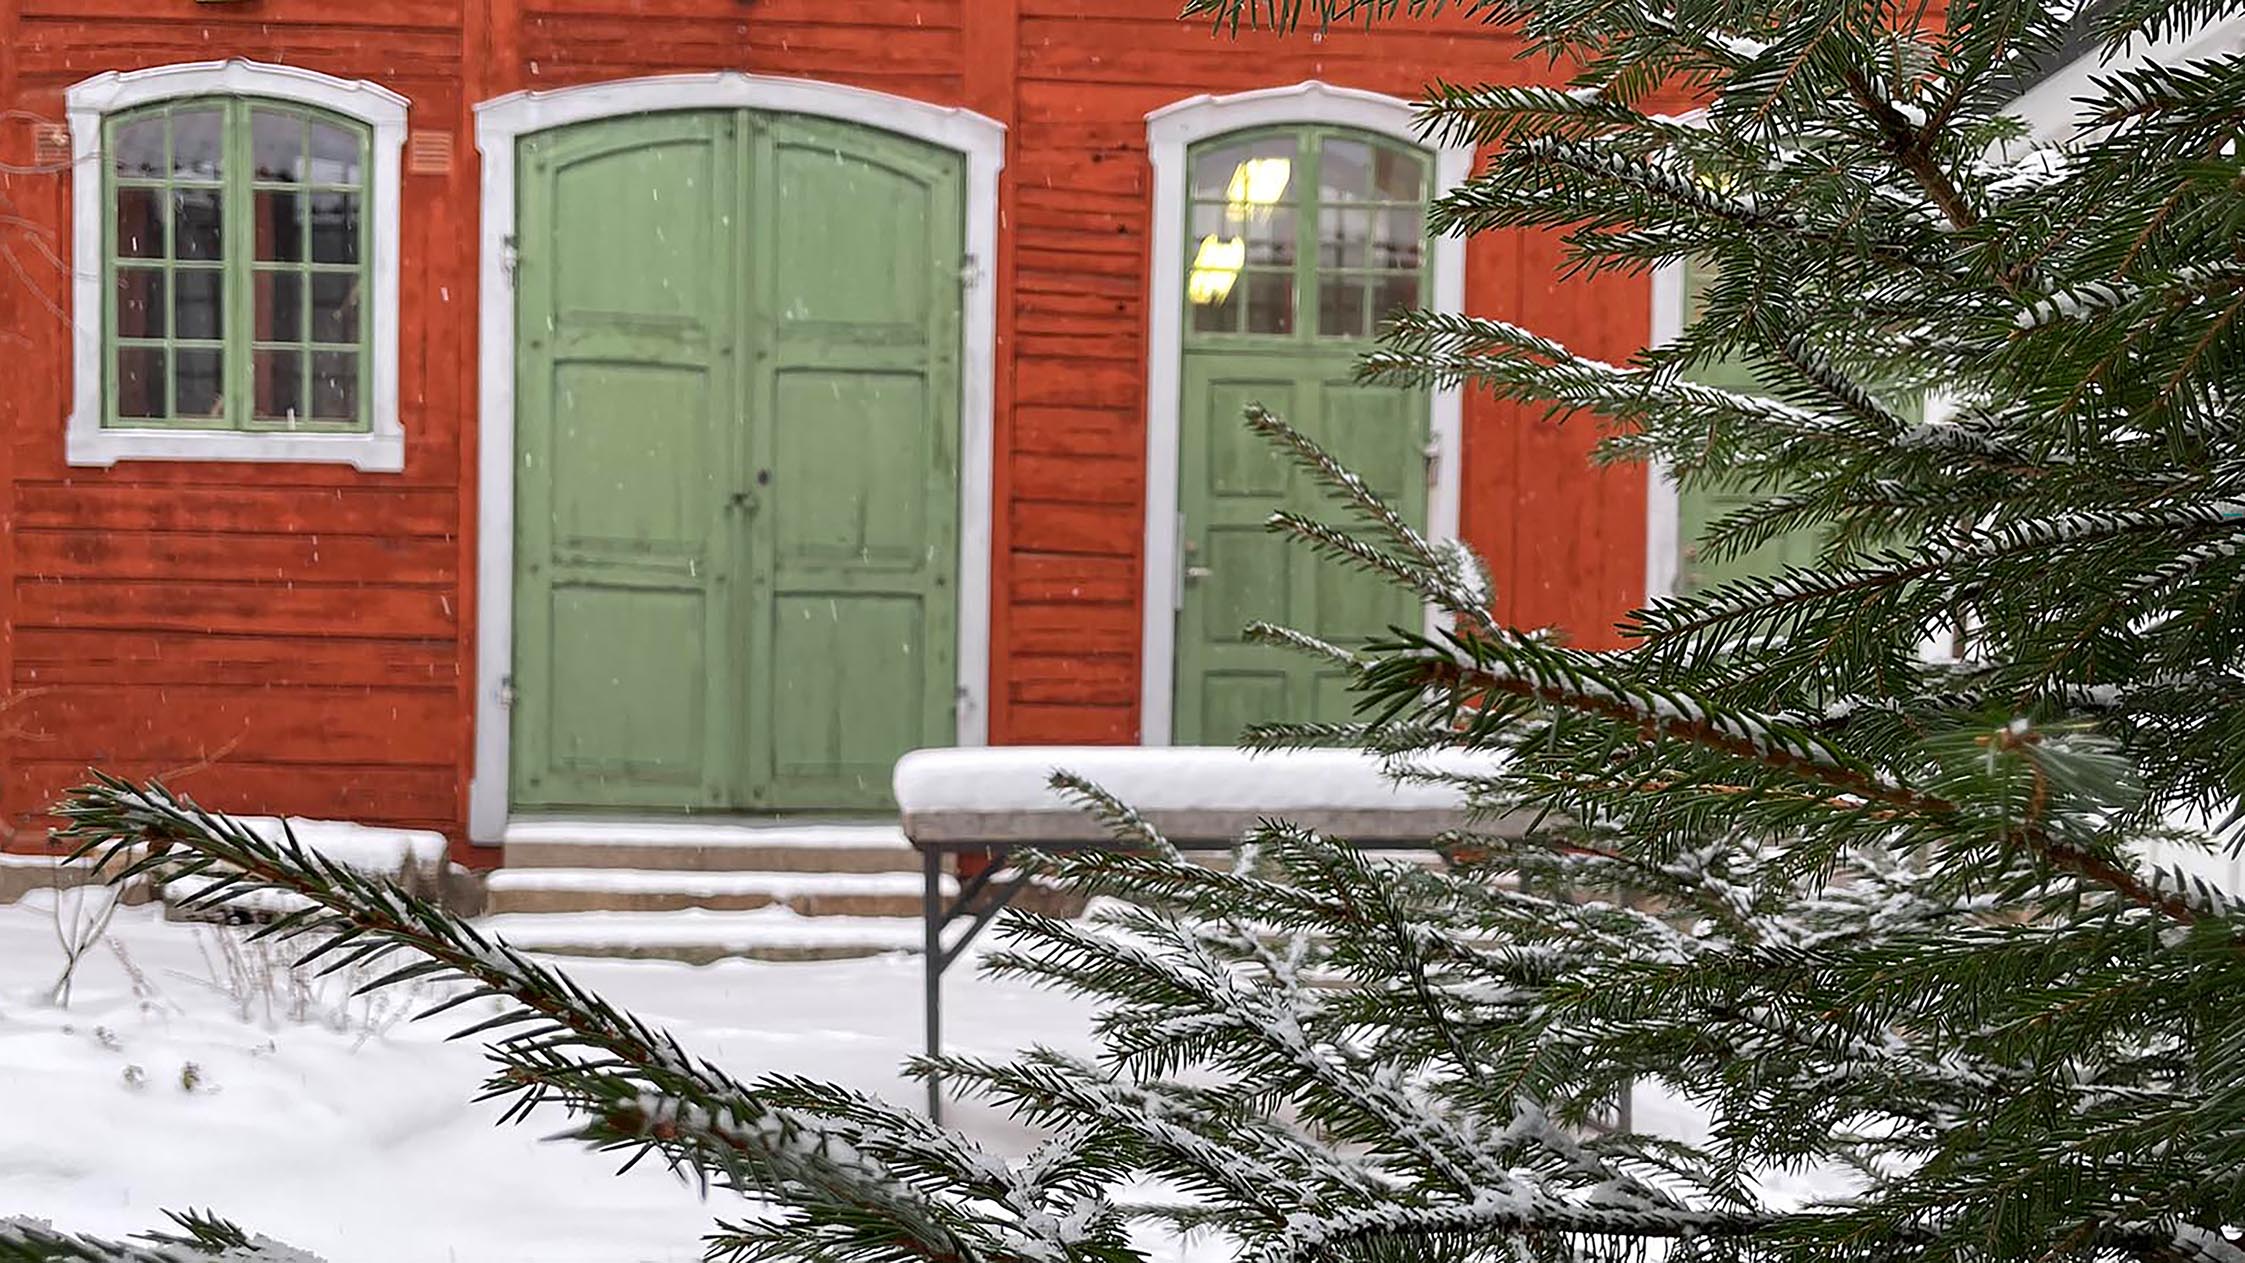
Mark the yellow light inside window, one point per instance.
(1215, 269)
(1259, 182)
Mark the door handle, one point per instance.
(741, 501)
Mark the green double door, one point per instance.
(1237, 572)
(737, 453)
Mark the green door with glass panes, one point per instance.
(1701, 505)
(736, 481)
(1300, 242)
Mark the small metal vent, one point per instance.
(50, 145)
(429, 153)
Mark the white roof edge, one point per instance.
(2051, 107)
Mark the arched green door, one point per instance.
(737, 452)
(1300, 242)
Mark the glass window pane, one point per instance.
(1270, 302)
(1395, 293)
(140, 224)
(197, 305)
(1220, 316)
(335, 307)
(1344, 171)
(196, 224)
(138, 148)
(140, 303)
(202, 390)
(140, 381)
(1398, 176)
(1340, 306)
(197, 141)
(280, 385)
(335, 227)
(335, 154)
(276, 144)
(1344, 238)
(1398, 237)
(279, 225)
(335, 385)
(1270, 236)
(279, 299)
(1260, 169)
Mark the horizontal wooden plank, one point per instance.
(895, 14)
(1063, 577)
(1079, 680)
(252, 609)
(232, 19)
(293, 558)
(1110, 530)
(104, 723)
(1072, 628)
(53, 655)
(1072, 725)
(404, 797)
(1079, 431)
(1077, 479)
(1082, 385)
(342, 510)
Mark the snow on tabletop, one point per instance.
(1180, 778)
(698, 833)
(367, 848)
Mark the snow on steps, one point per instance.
(699, 891)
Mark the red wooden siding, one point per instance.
(300, 638)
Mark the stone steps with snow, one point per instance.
(703, 890)
(690, 846)
(699, 936)
(558, 890)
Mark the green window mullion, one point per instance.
(240, 235)
(1309, 150)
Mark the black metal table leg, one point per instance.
(932, 918)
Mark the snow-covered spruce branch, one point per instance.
(1558, 680)
(860, 1178)
(200, 1239)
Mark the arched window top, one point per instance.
(1304, 231)
(236, 235)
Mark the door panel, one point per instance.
(856, 537)
(737, 488)
(625, 449)
(1238, 572)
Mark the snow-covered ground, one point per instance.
(335, 1127)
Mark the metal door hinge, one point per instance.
(1433, 453)
(970, 273)
(510, 257)
(506, 692)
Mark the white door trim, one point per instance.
(1664, 556)
(504, 120)
(1170, 132)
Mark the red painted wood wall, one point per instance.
(299, 638)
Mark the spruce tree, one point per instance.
(1884, 915)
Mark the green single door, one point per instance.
(1302, 240)
(737, 448)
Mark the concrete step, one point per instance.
(691, 846)
(698, 936)
(565, 890)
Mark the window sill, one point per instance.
(378, 452)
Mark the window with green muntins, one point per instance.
(237, 268)
(1304, 234)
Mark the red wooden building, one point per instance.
(446, 411)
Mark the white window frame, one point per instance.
(1171, 132)
(88, 440)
